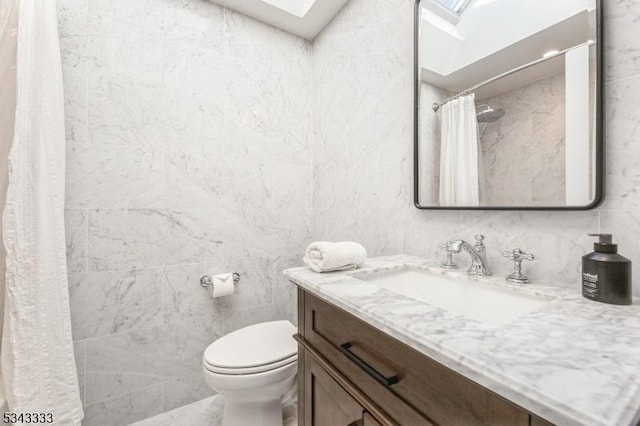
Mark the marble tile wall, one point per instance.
(429, 145)
(362, 114)
(524, 152)
(189, 152)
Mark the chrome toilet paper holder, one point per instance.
(207, 280)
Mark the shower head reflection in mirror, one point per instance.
(486, 114)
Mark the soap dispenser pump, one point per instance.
(606, 275)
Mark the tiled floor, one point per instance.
(206, 412)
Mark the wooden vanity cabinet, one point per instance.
(352, 374)
(327, 403)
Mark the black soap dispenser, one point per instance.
(606, 276)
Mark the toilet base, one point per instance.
(252, 413)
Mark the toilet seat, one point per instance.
(254, 349)
(251, 370)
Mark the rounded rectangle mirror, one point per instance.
(508, 104)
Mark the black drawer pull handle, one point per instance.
(387, 381)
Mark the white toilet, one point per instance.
(253, 369)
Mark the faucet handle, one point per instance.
(479, 245)
(449, 263)
(446, 245)
(517, 256)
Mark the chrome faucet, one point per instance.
(477, 252)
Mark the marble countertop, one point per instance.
(572, 362)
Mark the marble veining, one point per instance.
(134, 176)
(111, 302)
(156, 356)
(292, 180)
(203, 181)
(354, 94)
(621, 32)
(572, 361)
(76, 93)
(76, 240)
(80, 355)
(622, 160)
(625, 227)
(133, 239)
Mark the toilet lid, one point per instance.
(257, 345)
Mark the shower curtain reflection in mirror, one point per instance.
(460, 155)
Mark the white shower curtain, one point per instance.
(8, 47)
(37, 362)
(459, 153)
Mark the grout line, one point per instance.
(150, 268)
(312, 136)
(402, 231)
(119, 333)
(161, 384)
(145, 268)
(224, 28)
(86, 255)
(162, 274)
(272, 190)
(164, 401)
(84, 375)
(164, 169)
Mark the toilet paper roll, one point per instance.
(222, 285)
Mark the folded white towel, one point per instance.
(325, 256)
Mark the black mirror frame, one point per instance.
(599, 131)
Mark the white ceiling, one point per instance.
(305, 18)
(457, 70)
(563, 35)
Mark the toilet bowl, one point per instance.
(253, 369)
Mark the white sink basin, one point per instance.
(473, 299)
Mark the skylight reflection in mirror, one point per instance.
(454, 6)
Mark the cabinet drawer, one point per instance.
(408, 385)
